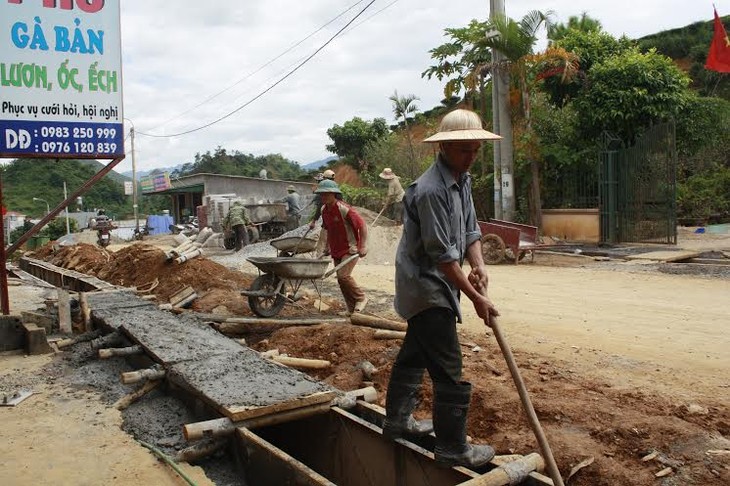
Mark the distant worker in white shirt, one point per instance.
(394, 195)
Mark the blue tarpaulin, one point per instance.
(159, 224)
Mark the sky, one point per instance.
(188, 63)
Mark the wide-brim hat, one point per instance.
(461, 126)
(387, 174)
(328, 185)
(291, 188)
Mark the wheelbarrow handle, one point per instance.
(342, 264)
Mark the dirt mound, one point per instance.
(582, 418)
(144, 266)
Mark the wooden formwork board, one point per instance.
(271, 465)
(665, 256)
(243, 385)
(62, 277)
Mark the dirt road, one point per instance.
(662, 332)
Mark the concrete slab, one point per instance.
(665, 256)
(115, 300)
(242, 384)
(170, 339)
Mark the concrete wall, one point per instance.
(572, 224)
(252, 190)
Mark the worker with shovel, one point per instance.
(394, 196)
(440, 230)
(347, 235)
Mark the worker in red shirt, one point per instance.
(347, 234)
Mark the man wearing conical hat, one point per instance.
(395, 193)
(439, 232)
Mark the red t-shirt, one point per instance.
(343, 226)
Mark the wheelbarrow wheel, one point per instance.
(492, 249)
(268, 306)
(229, 241)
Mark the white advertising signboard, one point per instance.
(61, 79)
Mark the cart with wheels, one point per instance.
(507, 240)
(281, 279)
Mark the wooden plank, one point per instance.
(665, 256)
(242, 413)
(274, 466)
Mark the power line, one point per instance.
(270, 87)
(286, 51)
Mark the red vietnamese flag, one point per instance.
(718, 59)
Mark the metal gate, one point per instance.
(638, 188)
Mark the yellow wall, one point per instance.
(572, 224)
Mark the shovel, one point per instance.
(542, 442)
(376, 217)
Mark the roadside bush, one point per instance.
(364, 197)
(57, 228)
(705, 196)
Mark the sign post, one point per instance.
(60, 86)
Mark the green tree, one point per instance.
(589, 47)
(584, 23)
(350, 139)
(628, 92)
(402, 107)
(461, 61)
(237, 163)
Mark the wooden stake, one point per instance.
(111, 352)
(309, 364)
(139, 375)
(514, 472)
(85, 311)
(64, 311)
(360, 319)
(386, 334)
(224, 426)
(129, 399)
(200, 450)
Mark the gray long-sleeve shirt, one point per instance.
(440, 223)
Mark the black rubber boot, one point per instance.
(450, 409)
(400, 402)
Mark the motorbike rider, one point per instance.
(103, 226)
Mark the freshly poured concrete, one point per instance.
(243, 378)
(232, 378)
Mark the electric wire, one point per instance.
(286, 51)
(299, 66)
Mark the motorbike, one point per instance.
(103, 227)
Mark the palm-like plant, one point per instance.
(402, 107)
(515, 41)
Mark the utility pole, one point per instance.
(65, 196)
(134, 184)
(503, 149)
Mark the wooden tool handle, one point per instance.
(547, 453)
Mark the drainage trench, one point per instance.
(259, 422)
